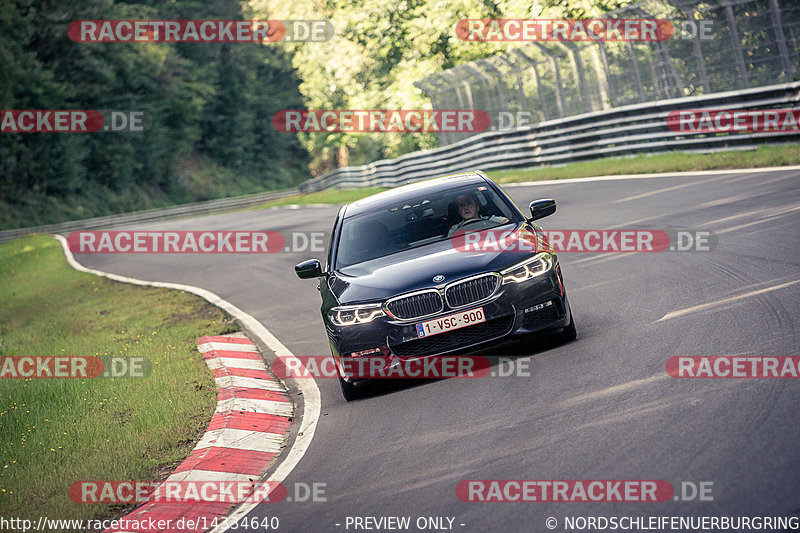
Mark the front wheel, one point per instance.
(349, 391)
(570, 333)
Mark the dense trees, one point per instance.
(212, 104)
(380, 48)
(211, 107)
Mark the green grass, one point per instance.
(329, 196)
(764, 156)
(54, 432)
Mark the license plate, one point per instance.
(450, 322)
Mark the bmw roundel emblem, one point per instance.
(437, 278)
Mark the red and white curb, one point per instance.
(311, 402)
(246, 432)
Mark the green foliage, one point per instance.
(212, 104)
(380, 49)
(211, 107)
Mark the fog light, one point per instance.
(537, 307)
(362, 353)
(383, 350)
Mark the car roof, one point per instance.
(413, 190)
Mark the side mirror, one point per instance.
(542, 208)
(308, 269)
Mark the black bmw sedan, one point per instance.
(435, 267)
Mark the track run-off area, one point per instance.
(600, 408)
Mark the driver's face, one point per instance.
(466, 207)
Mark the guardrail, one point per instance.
(638, 128)
(150, 215)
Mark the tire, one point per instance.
(349, 391)
(570, 333)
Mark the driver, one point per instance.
(467, 206)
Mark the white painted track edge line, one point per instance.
(311, 395)
(684, 174)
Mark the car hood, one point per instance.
(414, 269)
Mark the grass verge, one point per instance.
(764, 156)
(329, 196)
(54, 432)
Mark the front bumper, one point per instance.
(533, 306)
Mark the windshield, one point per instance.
(421, 221)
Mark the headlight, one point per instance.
(348, 315)
(528, 269)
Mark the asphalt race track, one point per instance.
(601, 407)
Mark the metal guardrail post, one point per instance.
(522, 99)
(433, 91)
(611, 92)
(672, 83)
(697, 51)
(499, 84)
(446, 102)
(560, 100)
(602, 84)
(675, 88)
(780, 38)
(457, 85)
(537, 79)
(736, 46)
(637, 78)
(577, 69)
(666, 75)
(463, 92)
(424, 86)
(484, 80)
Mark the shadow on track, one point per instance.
(495, 354)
